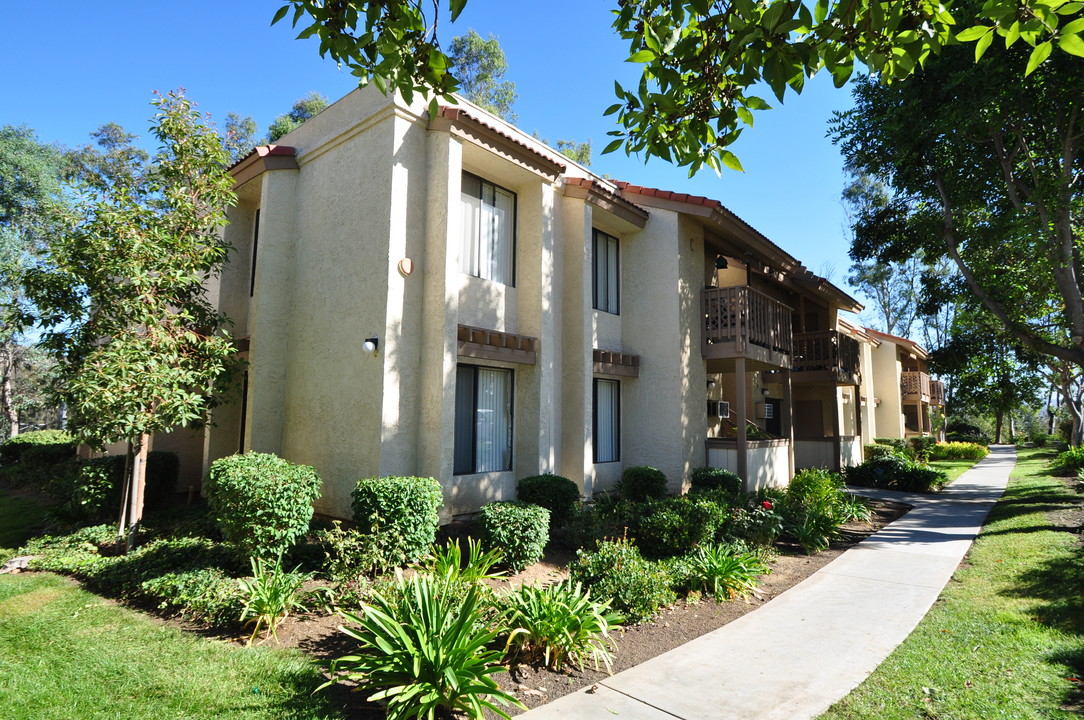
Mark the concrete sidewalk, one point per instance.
(795, 656)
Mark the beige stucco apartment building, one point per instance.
(446, 296)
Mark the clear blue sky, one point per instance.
(71, 66)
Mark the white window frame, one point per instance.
(605, 272)
(483, 426)
(488, 242)
(606, 420)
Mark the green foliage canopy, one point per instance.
(121, 292)
(479, 66)
(700, 58)
(304, 109)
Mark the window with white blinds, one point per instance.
(605, 272)
(489, 231)
(607, 421)
(483, 419)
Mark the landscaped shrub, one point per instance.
(901, 445)
(39, 447)
(207, 595)
(424, 651)
(959, 431)
(755, 521)
(518, 529)
(558, 622)
(402, 512)
(1069, 462)
(642, 483)
(876, 450)
(607, 517)
(958, 451)
(93, 491)
(897, 474)
(921, 445)
(706, 479)
(261, 502)
(557, 494)
(677, 525)
(636, 587)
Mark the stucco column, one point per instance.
(270, 311)
(740, 438)
(788, 420)
(576, 347)
(439, 269)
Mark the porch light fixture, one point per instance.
(370, 345)
(711, 383)
(765, 392)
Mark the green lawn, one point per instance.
(1006, 637)
(66, 653)
(954, 468)
(19, 518)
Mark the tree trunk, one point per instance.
(137, 484)
(7, 401)
(999, 420)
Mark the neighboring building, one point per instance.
(904, 390)
(449, 297)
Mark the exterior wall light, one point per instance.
(370, 345)
(765, 392)
(711, 383)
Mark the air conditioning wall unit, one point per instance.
(718, 409)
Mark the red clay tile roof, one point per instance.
(600, 187)
(899, 340)
(455, 114)
(264, 151)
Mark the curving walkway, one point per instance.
(795, 656)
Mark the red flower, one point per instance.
(767, 505)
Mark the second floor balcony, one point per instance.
(828, 355)
(743, 322)
(937, 393)
(915, 387)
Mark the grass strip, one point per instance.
(66, 653)
(953, 468)
(1006, 637)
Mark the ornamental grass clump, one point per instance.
(261, 502)
(270, 596)
(557, 623)
(425, 651)
(726, 573)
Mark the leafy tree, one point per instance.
(578, 151)
(121, 294)
(701, 57)
(989, 373)
(984, 165)
(480, 66)
(30, 184)
(305, 108)
(240, 136)
(112, 155)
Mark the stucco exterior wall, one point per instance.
(886, 383)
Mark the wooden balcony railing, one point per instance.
(916, 383)
(828, 350)
(744, 319)
(937, 392)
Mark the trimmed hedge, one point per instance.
(706, 478)
(897, 474)
(642, 483)
(261, 502)
(958, 451)
(877, 450)
(519, 530)
(557, 494)
(402, 511)
(42, 446)
(676, 526)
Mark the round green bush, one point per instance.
(402, 511)
(677, 525)
(261, 502)
(557, 494)
(896, 473)
(616, 571)
(642, 483)
(706, 478)
(876, 450)
(54, 445)
(519, 530)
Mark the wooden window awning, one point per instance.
(492, 345)
(607, 362)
